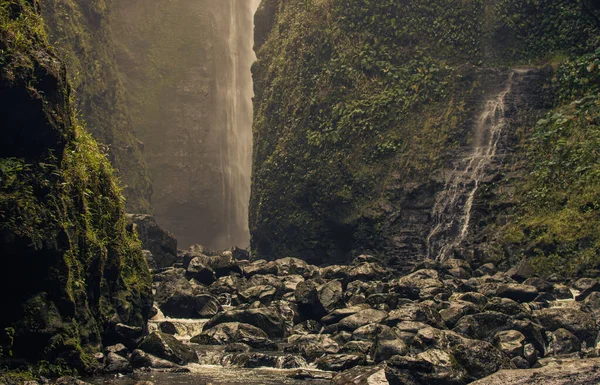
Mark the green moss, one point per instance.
(557, 224)
(80, 32)
(359, 101)
(70, 265)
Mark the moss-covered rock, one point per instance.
(362, 107)
(70, 270)
(80, 31)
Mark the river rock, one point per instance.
(581, 324)
(141, 359)
(270, 321)
(373, 375)
(511, 342)
(116, 364)
(361, 318)
(234, 332)
(313, 346)
(169, 348)
(574, 372)
(482, 325)
(340, 362)
(457, 309)
(200, 271)
(564, 342)
(415, 312)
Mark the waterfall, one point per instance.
(235, 92)
(452, 210)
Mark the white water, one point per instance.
(236, 92)
(452, 209)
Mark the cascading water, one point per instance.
(452, 209)
(235, 91)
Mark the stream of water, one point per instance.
(452, 210)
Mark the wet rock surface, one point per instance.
(444, 323)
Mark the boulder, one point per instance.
(426, 282)
(200, 271)
(480, 359)
(482, 325)
(361, 375)
(169, 348)
(415, 312)
(262, 293)
(339, 314)
(234, 332)
(521, 271)
(388, 343)
(313, 346)
(564, 342)
(267, 319)
(510, 342)
(518, 292)
(457, 309)
(573, 372)
(116, 364)
(581, 324)
(161, 243)
(361, 318)
(506, 306)
(340, 362)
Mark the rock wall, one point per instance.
(361, 109)
(80, 32)
(176, 59)
(70, 270)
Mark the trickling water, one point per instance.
(235, 91)
(452, 209)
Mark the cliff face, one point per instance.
(176, 59)
(70, 269)
(363, 110)
(80, 31)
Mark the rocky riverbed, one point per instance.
(223, 319)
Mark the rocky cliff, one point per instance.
(364, 110)
(80, 31)
(183, 68)
(71, 275)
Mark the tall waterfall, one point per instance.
(452, 209)
(235, 90)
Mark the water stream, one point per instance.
(235, 92)
(452, 209)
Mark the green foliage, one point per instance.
(561, 197)
(80, 32)
(62, 211)
(358, 99)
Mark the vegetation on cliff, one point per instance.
(360, 103)
(80, 31)
(70, 269)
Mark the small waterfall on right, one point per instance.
(452, 210)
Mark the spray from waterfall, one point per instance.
(236, 93)
(452, 210)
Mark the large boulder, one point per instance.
(340, 362)
(361, 318)
(169, 348)
(160, 242)
(267, 319)
(362, 375)
(315, 300)
(234, 332)
(580, 323)
(574, 372)
(313, 346)
(415, 312)
(517, 292)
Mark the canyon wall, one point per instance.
(186, 71)
(80, 32)
(363, 110)
(71, 270)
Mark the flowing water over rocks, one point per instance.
(289, 322)
(452, 209)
